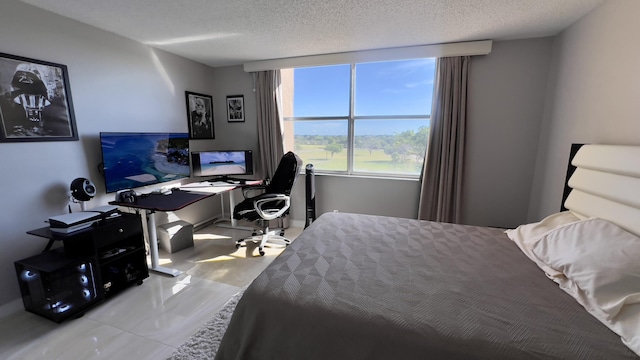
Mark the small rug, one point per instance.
(205, 342)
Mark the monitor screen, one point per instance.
(133, 160)
(220, 163)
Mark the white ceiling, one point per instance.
(231, 32)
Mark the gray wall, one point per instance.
(504, 116)
(117, 85)
(359, 195)
(228, 136)
(593, 95)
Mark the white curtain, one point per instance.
(441, 191)
(270, 123)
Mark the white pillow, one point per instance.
(529, 233)
(601, 261)
(525, 236)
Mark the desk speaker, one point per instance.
(83, 189)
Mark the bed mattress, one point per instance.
(370, 287)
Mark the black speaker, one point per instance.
(310, 186)
(83, 189)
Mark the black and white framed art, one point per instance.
(200, 115)
(35, 101)
(235, 108)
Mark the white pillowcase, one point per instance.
(525, 236)
(601, 263)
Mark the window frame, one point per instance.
(351, 120)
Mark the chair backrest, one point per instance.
(285, 175)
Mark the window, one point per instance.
(360, 119)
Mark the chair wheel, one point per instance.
(237, 246)
(282, 233)
(254, 233)
(261, 252)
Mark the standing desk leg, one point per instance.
(233, 222)
(153, 247)
(222, 205)
(232, 203)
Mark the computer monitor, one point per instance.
(222, 164)
(132, 160)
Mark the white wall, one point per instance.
(116, 84)
(593, 96)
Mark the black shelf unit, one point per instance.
(94, 264)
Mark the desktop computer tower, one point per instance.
(56, 285)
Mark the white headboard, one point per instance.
(606, 185)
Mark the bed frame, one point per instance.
(604, 182)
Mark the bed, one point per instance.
(355, 286)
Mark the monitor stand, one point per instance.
(230, 180)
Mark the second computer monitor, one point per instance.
(222, 163)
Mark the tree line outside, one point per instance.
(401, 153)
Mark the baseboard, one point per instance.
(11, 307)
(297, 223)
(205, 222)
(218, 217)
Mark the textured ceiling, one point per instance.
(230, 32)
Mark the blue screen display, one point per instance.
(219, 163)
(134, 160)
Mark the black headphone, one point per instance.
(83, 189)
(126, 196)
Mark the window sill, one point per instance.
(363, 176)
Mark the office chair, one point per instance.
(273, 203)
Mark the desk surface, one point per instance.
(180, 198)
(159, 202)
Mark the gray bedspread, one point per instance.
(370, 287)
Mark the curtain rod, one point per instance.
(401, 53)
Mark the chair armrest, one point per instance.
(261, 201)
(246, 191)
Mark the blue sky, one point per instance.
(382, 88)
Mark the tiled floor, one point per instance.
(151, 320)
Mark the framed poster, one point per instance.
(35, 101)
(235, 108)
(200, 116)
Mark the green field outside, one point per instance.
(376, 161)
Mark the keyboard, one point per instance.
(221, 183)
(206, 184)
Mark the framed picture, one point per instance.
(35, 101)
(235, 108)
(200, 115)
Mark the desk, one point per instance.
(178, 199)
